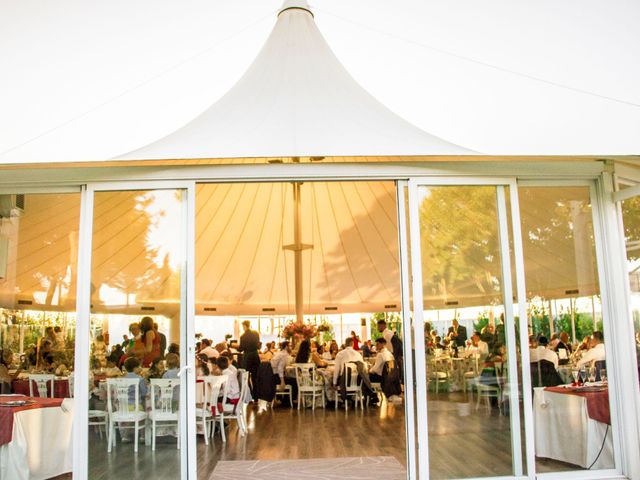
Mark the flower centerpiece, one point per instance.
(299, 331)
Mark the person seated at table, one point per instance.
(437, 343)
(265, 355)
(541, 352)
(487, 335)
(233, 387)
(345, 356)
(132, 366)
(115, 355)
(367, 349)
(563, 344)
(6, 378)
(202, 365)
(333, 350)
(477, 347)
(156, 370)
(208, 350)
(382, 357)
(316, 355)
(174, 348)
(595, 354)
(99, 350)
(172, 362)
(304, 352)
(279, 364)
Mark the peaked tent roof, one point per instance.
(296, 100)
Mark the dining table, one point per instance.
(35, 437)
(573, 425)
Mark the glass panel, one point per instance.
(137, 261)
(38, 261)
(631, 224)
(264, 249)
(571, 425)
(467, 362)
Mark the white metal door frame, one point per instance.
(421, 386)
(188, 460)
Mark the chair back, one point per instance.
(118, 399)
(305, 375)
(351, 376)
(41, 381)
(71, 383)
(243, 379)
(163, 394)
(213, 385)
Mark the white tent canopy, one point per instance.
(296, 99)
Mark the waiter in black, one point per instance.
(249, 345)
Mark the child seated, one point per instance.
(233, 388)
(132, 366)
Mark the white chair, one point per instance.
(352, 387)
(283, 391)
(377, 386)
(493, 390)
(212, 385)
(440, 372)
(469, 378)
(165, 398)
(234, 412)
(97, 418)
(41, 381)
(123, 410)
(309, 384)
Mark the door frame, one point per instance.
(83, 315)
(501, 185)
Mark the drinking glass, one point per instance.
(583, 375)
(592, 374)
(603, 375)
(575, 372)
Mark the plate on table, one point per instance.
(16, 403)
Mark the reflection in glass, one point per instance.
(631, 225)
(137, 260)
(38, 261)
(467, 371)
(566, 344)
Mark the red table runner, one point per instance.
(60, 387)
(597, 402)
(7, 413)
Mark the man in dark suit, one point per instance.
(457, 333)
(249, 346)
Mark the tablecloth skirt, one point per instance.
(41, 446)
(564, 431)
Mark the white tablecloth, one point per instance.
(41, 446)
(564, 431)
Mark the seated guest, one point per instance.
(173, 366)
(382, 357)
(333, 350)
(208, 350)
(367, 350)
(316, 355)
(563, 348)
(266, 355)
(345, 356)
(156, 370)
(280, 361)
(202, 365)
(477, 347)
(174, 348)
(438, 343)
(487, 335)
(132, 366)
(233, 387)
(304, 352)
(116, 354)
(6, 357)
(541, 352)
(595, 354)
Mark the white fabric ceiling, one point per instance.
(296, 99)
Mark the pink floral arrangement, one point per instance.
(299, 331)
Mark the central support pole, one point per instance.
(297, 248)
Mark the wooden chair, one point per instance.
(309, 384)
(440, 373)
(164, 405)
(283, 391)
(123, 411)
(41, 381)
(205, 413)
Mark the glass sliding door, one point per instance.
(467, 363)
(137, 353)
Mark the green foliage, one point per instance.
(394, 322)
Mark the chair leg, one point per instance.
(222, 432)
(135, 437)
(299, 397)
(313, 399)
(153, 439)
(110, 434)
(206, 430)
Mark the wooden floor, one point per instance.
(463, 442)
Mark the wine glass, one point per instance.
(583, 375)
(603, 375)
(592, 374)
(574, 373)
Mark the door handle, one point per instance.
(184, 369)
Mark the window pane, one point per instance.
(571, 425)
(38, 261)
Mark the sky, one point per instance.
(91, 80)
